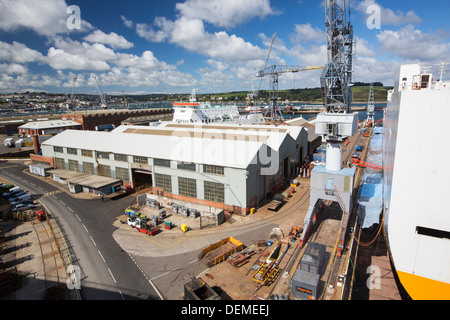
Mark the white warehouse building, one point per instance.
(231, 167)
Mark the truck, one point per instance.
(144, 226)
(9, 143)
(138, 221)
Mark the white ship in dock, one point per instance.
(417, 182)
(204, 112)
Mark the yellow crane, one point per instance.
(125, 99)
(273, 112)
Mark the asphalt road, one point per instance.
(107, 271)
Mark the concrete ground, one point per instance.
(30, 249)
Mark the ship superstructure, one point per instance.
(204, 112)
(416, 180)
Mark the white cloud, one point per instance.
(306, 33)
(112, 39)
(46, 18)
(59, 59)
(225, 13)
(146, 61)
(363, 48)
(370, 69)
(127, 23)
(188, 29)
(19, 81)
(412, 44)
(13, 68)
(388, 16)
(147, 32)
(19, 53)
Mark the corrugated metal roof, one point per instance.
(49, 124)
(196, 149)
(83, 179)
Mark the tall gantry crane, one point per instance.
(273, 112)
(251, 97)
(104, 105)
(337, 75)
(332, 182)
(71, 102)
(337, 123)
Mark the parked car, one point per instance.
(22, 207)
(19, 207)
(22, 202)
(12, 191)
(15, 197)
(24, 196)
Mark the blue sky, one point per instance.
(209, 45)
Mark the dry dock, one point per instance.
(336, 281)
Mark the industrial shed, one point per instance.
(228, 167)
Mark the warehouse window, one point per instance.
(162, 163)
(104, 171)
(102, 155)
(60, 163)
(186, 166)
(88, 168)
(71, 151)
(140, 160)
(187, 187)
(58, 149)
(163, 181)
(122, 174)
(214, 192)
(213, 170)
(121, 157)
(74, 166)
(86, 153)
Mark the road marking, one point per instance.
(101, 256)
(159, 294)
(85, 228)
(121, 295)
(8, 167)
(70, 209)
(193, 261)
(165, 273)
(78, 217)
(52, 193)
(93, 241)
(149, 280)
(112, 276)
(62, 202)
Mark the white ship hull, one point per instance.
(204, 113)
(417, 183)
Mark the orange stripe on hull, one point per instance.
(420, 288)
